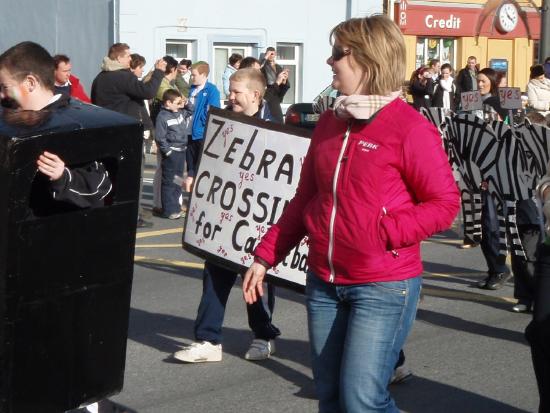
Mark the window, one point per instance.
(222, 51)
(428, 48)
(289, 57)
(179, 49)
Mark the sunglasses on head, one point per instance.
(339, 52)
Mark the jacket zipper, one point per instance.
(335, 203)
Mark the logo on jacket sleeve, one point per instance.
(367, 146)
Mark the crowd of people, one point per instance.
(365, 269)
(436, 85)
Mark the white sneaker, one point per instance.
(92, 408)
(400, 374)
(521, 308)
(260, 349)
(200, 352)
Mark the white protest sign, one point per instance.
(510, 97)
(471, 100)
(248, 172)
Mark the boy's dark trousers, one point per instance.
(171, 192)
(538, 331)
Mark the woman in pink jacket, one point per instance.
(374, 184)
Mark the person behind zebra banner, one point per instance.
(466, 79)
(246, 91)
(445, 89)
(487, 83)
(538, 330)
(526, 216)
(538, 90)
(421, 87)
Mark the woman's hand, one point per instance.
(252, 284)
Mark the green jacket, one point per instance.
(164, 86)
(182, 85)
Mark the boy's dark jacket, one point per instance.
(171, 129)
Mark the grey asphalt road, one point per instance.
(467, 349)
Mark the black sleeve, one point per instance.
(161, 132)
(283, 88)
(430, 85)
(84, 186)
(418, 89)
(144, 90)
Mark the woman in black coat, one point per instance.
(421, 88)
(444, 90)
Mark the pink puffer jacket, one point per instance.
(369, 193)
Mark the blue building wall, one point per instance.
(81, 29)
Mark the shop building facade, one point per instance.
(500, 34)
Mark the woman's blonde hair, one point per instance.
(378, 47)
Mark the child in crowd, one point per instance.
(202, 95)
(171, 132)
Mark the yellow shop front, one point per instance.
(500, 34)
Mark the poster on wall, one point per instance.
(248, 172)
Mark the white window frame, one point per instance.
(247, 47)
(187, 43)
(297, 61)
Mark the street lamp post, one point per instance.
(544, 45)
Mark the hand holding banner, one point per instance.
(510, 97)
(471, 101)
(248, 172)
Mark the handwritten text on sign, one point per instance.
(471, 100)
(510, 97)
(246, 177)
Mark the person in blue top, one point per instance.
(246, 91)
(202, 95)
(232, 66)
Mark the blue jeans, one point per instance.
(216, 286)
(356, 332)
(171, 192)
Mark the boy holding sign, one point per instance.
(246, 91)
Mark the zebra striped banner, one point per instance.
(510, 159)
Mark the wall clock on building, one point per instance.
(507, 18)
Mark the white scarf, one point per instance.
(447, 86)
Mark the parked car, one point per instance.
(301, 115)
(306, 115)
